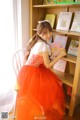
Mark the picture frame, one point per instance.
(64, 21)
(76, 22)
(73, 48)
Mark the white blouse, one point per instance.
(40, 47)
(34, 58)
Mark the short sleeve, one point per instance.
(40, 47)
(44, 47)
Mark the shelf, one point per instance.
(70, 58)
(65, 32)
(67, 102)
(34, 29)
(65, 77)
(71, 76)
(56, 5)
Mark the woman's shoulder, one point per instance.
(43, 46)
(41, 43)
(40, 46)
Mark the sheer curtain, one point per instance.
(9, 40)
(7, 45)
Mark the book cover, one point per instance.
(65, 1)
(73, 47)
(62, 1)
(69, 90)
(64, 21)
(76, 22)
(60, 65)
(50, 18)
(58, 44)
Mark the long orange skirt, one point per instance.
(40, 96)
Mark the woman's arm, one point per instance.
(49, 63)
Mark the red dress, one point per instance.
(40, 96)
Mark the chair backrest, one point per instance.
(19, 59)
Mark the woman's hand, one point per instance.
(49, 63)
(57, 52)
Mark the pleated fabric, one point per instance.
(40, 96)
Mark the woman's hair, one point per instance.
(42, 28)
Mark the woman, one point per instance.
(40, 95)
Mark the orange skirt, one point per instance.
(40, 96)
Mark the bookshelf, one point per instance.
(71, 76)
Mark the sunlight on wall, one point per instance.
(7, 45)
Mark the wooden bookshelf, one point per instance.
(38, 10)
(56, 5)
(65, 77)
(65, 32)
(70, 58)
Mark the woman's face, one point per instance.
(47, 36)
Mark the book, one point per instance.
(73, 47)
(60, 1)
(69, 1)
(65, 1)
(50, 18)
(57, 46)
(44, 2)
(64, 21)
(60, 65)
(76, 22)
(69, 90)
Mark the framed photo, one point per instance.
(76, 22)
(64, 21)
(73, 47)
(51, 19)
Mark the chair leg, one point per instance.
(14, 109)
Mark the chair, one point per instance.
(18, 60)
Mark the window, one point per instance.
(8, 41)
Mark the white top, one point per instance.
(34, 57)
(40, 47)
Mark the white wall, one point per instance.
(25, 21)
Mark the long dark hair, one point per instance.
(42, 28)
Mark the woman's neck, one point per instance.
(41, 38)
